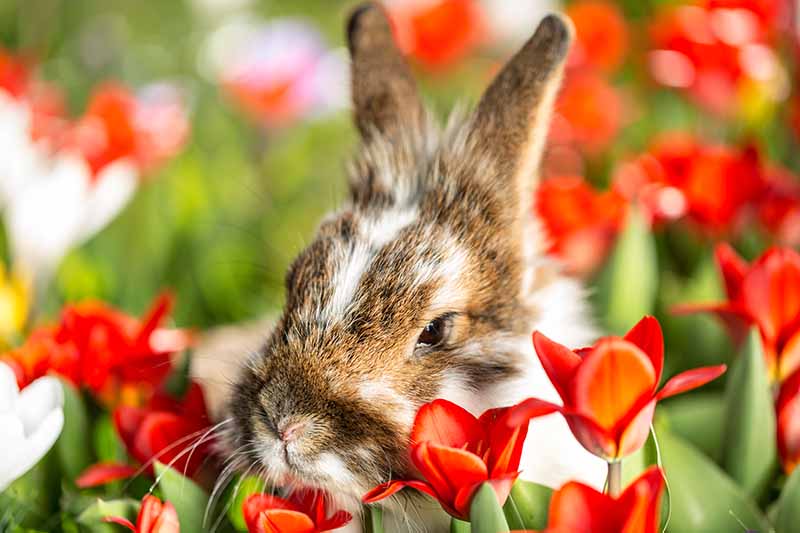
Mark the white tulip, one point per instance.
(30, 422)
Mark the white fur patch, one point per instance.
(347, 277)
(330, 465)
(384, 229)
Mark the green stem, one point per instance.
(614, 480)
(459, 526)
(375, 524)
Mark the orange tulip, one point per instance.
(154, 517)
(610, 390)
(456, 453)
(788, 413)
(578, 508)
(765, 294)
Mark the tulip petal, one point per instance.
(157, 312)
(788, 411)
(635, 433)
(444, 423)
(336, 520)
(611, 381)
(789, 358)
(771, 292)
(578, 507)
(148, 513)
(384, 490)
(647, 335)
(733, 269)
(120, 521)
(641, 503)
(596, 439)
(102, 473)
(691, 379)
(448, 469)
(525, 411)
(282, 521)
(167, 521)
(559, 362)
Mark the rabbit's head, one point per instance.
(425, 284)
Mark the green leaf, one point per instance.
(459, 526)
(485, 514)
(750, 454)
(627, 285)
(72, 448)
(787, 516)
(701, 496)
(189, 500)
(375, 521)
(238, 492)
(91, 518)
(527, 505)
(107, 445)
(699, 418)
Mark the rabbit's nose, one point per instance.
(291, 429)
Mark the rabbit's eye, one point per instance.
(435, 332)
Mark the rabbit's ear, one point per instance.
(385, 96)
(513, 116)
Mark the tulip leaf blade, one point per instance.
(238, 492)
(73, 453)
(92, 517)
(787, 511)
(189, 499)
(750, 453)
(628, 283)
(486, 515)
(692, 478)
(698, 418)
(527, 505)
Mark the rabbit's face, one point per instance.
(417, 288)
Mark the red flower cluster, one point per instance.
(175, 432)
(581, 223)
(154, 517)
(145, 129)
(98, 347)
(714, 48)
(680, 175)
(438, 33)
(304, 511)
(610, 389)
(456, 453)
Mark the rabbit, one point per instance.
(426, 284)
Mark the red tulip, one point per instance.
(172, 431)
(438, 33)
(601, 35)
(779, 208)
(456, 453)
(102, 473)
(578, 508)
(766, 294)
(679, 175)
(610, 390)
(303, 512)
(581, 223)
(154, 517)
(103, 349)
(788, 412)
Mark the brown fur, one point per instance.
(462, 190)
